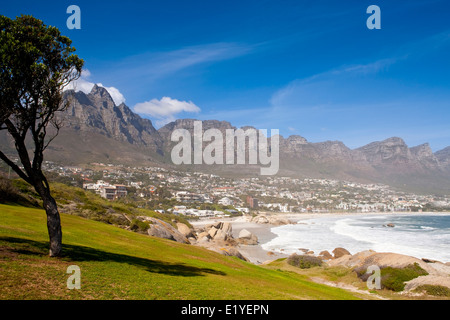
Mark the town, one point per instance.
(196, 194)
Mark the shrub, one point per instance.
(7, 191)
(434, 290)
(139, 226)
(11, 193)
(304, 261)
(395, 278)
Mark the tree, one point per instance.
(36, 63)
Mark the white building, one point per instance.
(226, 201)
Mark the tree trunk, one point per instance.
(53, 223)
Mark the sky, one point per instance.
(310, 68)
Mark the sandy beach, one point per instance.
(255, 253)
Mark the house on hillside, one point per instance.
(113, 192)
(226, 201)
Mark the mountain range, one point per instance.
(95, 129)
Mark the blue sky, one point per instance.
(310, 68)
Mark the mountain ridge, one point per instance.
(95, 129)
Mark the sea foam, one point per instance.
(418, 235)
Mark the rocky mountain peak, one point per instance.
(97, 112)
(422, 151)
(296, 140)
(443, 156)
(101, 97)
(391, 150)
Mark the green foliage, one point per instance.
(36, 63)
(304, 261)
(34, 58)
(11, 193)
(434, 290)
(139, 226)
(395, 278)
(80, 202)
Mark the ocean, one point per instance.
(424, 235)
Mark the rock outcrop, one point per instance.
(340, 252)
(161, 229)
(438, 273)
(97, 112)
(247, 238)
(276, 221)
(218, 237)
(219, 231)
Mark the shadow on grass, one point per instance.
(74, 253)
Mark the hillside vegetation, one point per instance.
(120, 264)
(77, 201)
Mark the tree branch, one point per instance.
(15, 167)
(19, 140)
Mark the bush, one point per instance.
(304, 261)
(139, 226)
(434, 290)
(11, 193)
(395, 278)
(7, 191)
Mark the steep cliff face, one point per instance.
(97, 130)
(188, 124)
(424, 155)
(443, 156)
(96, 112)
(391, 151)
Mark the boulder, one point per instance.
(185, 230)
(202, 235)
(260, 219)
(364, 259)
(203, 240)
(339, 252)
(161, 229)
(192, 240)
(325, 255)
(226, 227)
(212, 232)
(248, 238)
(220, 235)
(352, 261)
(279, 221)
(233, 252)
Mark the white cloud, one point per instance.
(164, 110)
(83, 84)
(115, 94)
(151, 66)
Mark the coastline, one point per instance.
(257, 254)
(254, 253)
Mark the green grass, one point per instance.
(77, 201)
(120, 264)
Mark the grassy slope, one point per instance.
(119, 264)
